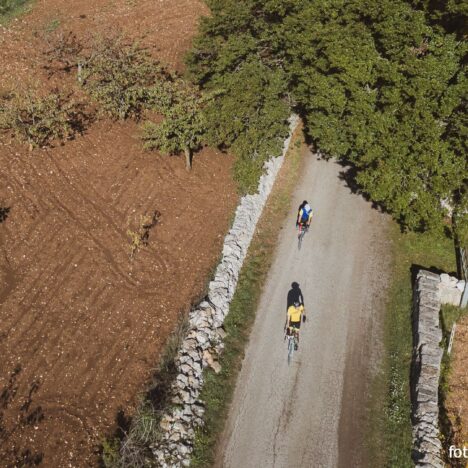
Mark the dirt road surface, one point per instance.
(310, 413)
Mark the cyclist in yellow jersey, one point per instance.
(294, 319)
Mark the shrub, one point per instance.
(140, 236)
(118, 76)
(39, 120)
(110, 452)
(63, 52)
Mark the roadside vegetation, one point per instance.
(452, 388)
(450, 424)
(389, 432)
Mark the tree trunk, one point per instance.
(188, 158)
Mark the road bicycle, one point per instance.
(292, 335)
(303, 228)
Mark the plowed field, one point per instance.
(82, 324)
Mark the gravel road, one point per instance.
(310, 413)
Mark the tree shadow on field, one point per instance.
(133, 430)
(19, 456)
(123, 424)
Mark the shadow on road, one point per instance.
(294, 295)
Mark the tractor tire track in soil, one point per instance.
(78, 316)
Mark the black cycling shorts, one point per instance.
(296, 325)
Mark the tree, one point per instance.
(238, 55)
(379, 85)
(184, 124)
(249, 116)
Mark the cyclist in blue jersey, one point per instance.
(304, 214)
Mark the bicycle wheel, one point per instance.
(300, 237)
(290, 349)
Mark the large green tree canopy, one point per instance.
(379, 84)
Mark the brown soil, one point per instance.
(457, 399)
(82, 324)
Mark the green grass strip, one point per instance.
(389, 435)
(218, 389)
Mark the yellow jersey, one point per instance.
(295, 313)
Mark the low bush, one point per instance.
(119, 75)
(40, 120)
(140, 236)
(110, 452)
(63, 53)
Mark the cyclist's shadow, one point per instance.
(294, 295)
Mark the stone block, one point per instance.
(450, 295)
(428, 275)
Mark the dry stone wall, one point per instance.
(204, 339)
(431, 291)
(427, 357)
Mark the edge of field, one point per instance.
(388, 435)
